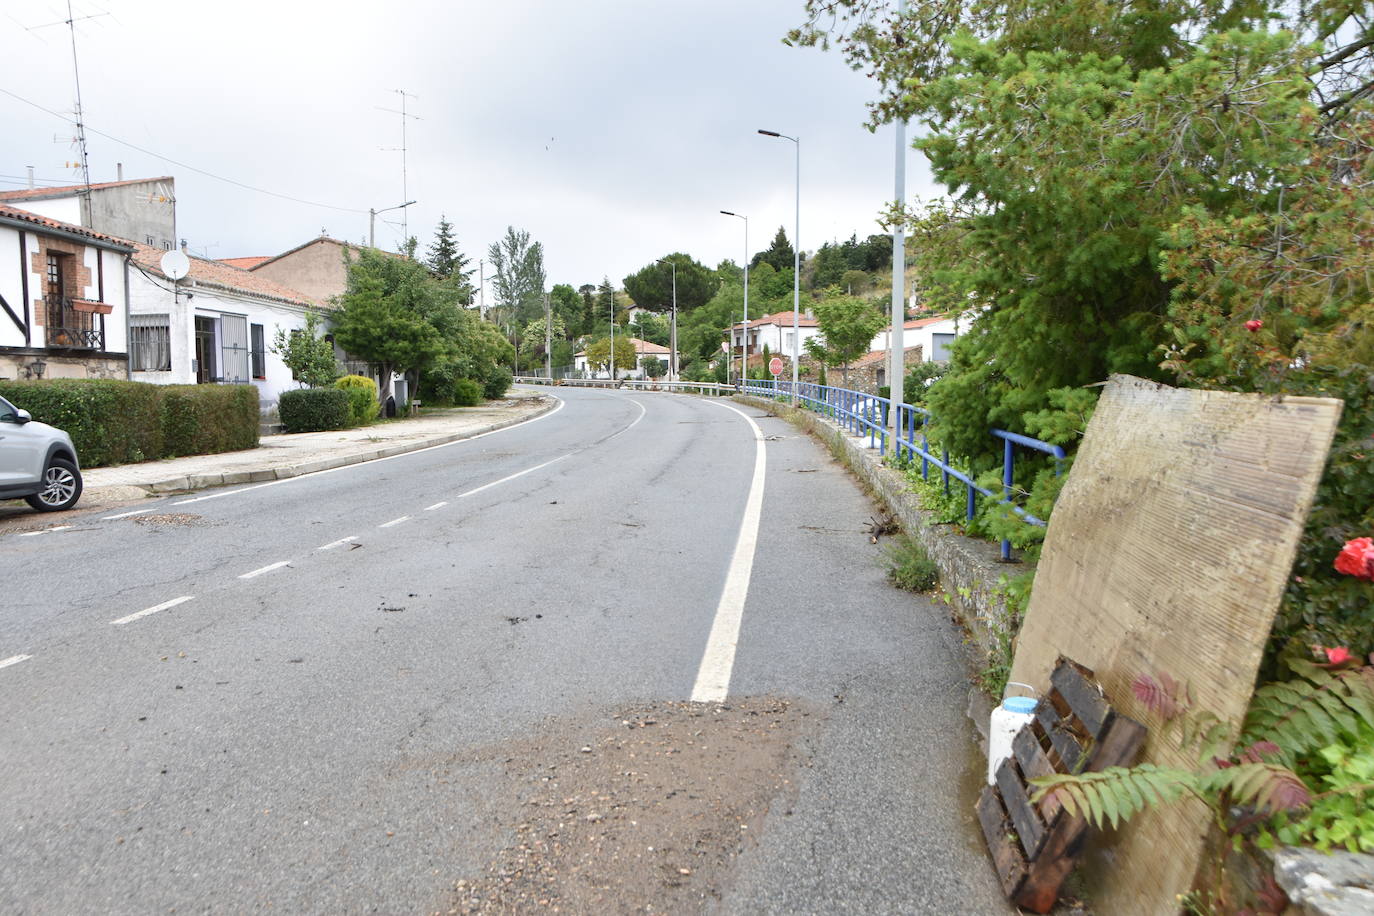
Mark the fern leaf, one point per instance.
(1115, 794)
(1269, 787)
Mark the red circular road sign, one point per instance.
(775, 366)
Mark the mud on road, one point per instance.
(644, 812)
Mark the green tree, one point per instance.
(654, 367)
(848, 325)
(779, 254)
(651, 287)
(444, 259)
(599, 355)
(520, 279)
(306, 353)
(533, 339)
(568, 306)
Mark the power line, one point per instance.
(179, 164)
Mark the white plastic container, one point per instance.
(1007, 720)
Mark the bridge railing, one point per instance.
(863, 414)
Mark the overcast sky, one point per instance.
(612, 130)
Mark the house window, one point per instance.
(150, 343)
(259, 351)
(233, 331)
(939, 346)
(151, 240)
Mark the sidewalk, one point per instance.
(293, 454)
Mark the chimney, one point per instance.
(30, 178)
(119, 171)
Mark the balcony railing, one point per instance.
(70, 328)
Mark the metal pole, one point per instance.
(371, 228)
(796, 280)
(548, 338)
(612, 288)
(482, 289)
(896, 343)
(673, 357)
(744, 342)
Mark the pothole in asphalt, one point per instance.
(168, 519)
(646, 811)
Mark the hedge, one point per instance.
(466, 393)
(120, 422)
(313, 409)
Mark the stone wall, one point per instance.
(19, 365)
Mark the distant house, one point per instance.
(63, 299)
(215, 325)
(141, 210)
(933, 335)
(319, 268)
(775, 332)
(644, 350)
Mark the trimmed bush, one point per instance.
(207, 419)
(363, 405)
(466, 393)
(312, 409)
(495, 382)
(119, 422)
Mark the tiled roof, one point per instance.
(876, 356)
(644, 346)
(245, 263)
(782, 320)
(218, 275)
(67, 190)
(43, 222)
(315, 240)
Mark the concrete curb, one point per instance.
(970, 569)
(187, 483)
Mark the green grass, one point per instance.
(909, 567)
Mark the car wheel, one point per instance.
(61, 487)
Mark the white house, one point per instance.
(932, 335)
(775, 332)
(644, 350)
(215, 325)
(63, 299)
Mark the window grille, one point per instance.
(150, 343)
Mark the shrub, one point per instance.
(206, 419)
(909, 566)
(118, 422)
(495, 382)
(363, 405)
(466, 393)
(312, 409)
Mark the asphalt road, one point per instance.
(233, 701)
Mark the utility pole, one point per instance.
(548, 338)
(896, 344)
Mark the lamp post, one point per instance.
(672, 332)
(744, 331)
(612, 289)
(372, 221)
(896, 343)
(796, 265)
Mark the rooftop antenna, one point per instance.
(70, 22)
(405, 187)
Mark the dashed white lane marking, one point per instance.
(497, 483)
(266, 569)
(438, 505)
(14, 660)
(339, 543)
(394, 521)
(375, 461)
(152, 610)
(110, 518)
(718, 661)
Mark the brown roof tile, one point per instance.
(65, 190)
(219, 275)
(43, 222)
(245, 263)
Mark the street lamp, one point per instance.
(796, 265)
(672, 340)
(372, 221)
(744, 332)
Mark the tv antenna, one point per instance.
(70, 22)
(405, 187)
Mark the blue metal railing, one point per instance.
(860, 413)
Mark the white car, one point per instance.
(37, 462)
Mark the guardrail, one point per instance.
(863, 414)
(715, 389)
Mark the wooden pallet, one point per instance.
(1075, 730)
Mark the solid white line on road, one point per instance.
(266, 569)
(394, 521)
(347, 467)
(718, 661)
(339, 543)
(494, 483)
(152, 610)
(438, 505)
(110, 518)
(642, 413)
(14, 660)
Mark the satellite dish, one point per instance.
(175, 265)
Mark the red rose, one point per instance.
(1357, 558)
(1253, 325)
